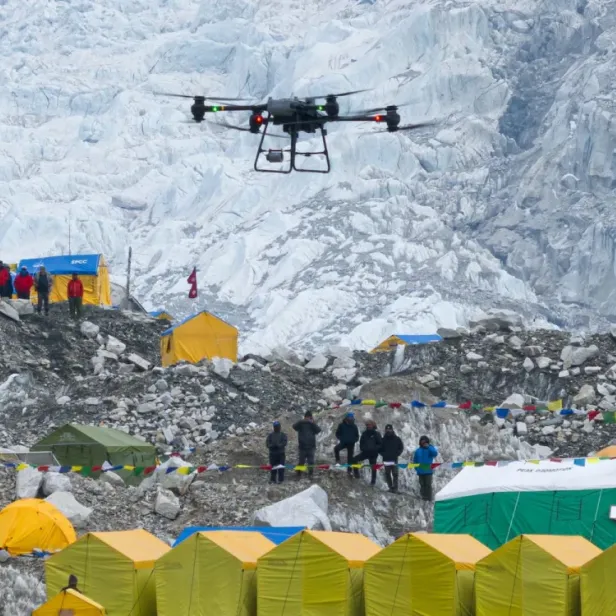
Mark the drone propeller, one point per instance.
(205, 98)
(406, 127)
(338, 95)
(379, 109)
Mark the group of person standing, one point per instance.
(371, 445)
(42, 282)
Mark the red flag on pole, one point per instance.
(192, 281)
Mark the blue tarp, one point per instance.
(276, 534)
(85, 265)
(419, 338)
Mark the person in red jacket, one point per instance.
(75, 296)
(23, 283)
(5, 281)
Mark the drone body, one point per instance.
(295, 116)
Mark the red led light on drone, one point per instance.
(378, 118)
(259, 119)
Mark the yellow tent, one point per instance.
(597, 586)
(211, 573)
(533, 575)
(423, 573)
(113, 568)
(92, 271)
(202, 336)
(607, 452)
(314, 573)
(70, 603)
(31, 524)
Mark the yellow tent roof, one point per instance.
(247, 547)
(73, 602)
(571, 551)
(462, 549)
(138, 545)
(354, 547)
(31, 524)
(607, 452)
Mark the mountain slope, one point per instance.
(504, 203)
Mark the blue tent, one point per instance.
(276, 534)
(84, 265)
(419, 338)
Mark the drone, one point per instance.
(295, 116)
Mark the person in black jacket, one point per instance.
(391, 449)
(276, 442)
(369, 447)
(307, 432)
(347, 435)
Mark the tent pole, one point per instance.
(515, 508)
(130, 256)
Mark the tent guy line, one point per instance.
(187, 470)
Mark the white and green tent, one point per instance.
(497, 503)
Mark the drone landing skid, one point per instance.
(293, 153)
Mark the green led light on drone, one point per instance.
(320, 107)
(214, 108)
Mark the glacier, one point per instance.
(504, 203)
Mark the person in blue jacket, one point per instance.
(425, 454)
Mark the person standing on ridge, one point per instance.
(369, 447)
(23, 283)
(43, 283)
(75, 296)
(307, 432)
(276, 443)
(425, 455)
(6, 284)
(391, 449)
(347, 434)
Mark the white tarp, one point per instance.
(527, 477)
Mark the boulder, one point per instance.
(112, 478)
(186, 370)
(28, 483)
(22, 306)
(307, 508)
(543, 362)
(76, 513)
(471, 356)
(532, 350)
(6, 310)
(89, 330)
(576, 356)
(115, 346)
(514, 401)
(56, 482)
(222, 367)
(528, 364)
(167, 504)
(448, 334)
(318, 363)
(586, 395)
(142, 364)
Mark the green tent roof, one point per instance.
(110, 438)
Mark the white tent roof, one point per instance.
(527, 477)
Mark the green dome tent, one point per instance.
(79, 445)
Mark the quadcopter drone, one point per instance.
(295, 116)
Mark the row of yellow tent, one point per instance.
(317, 573)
